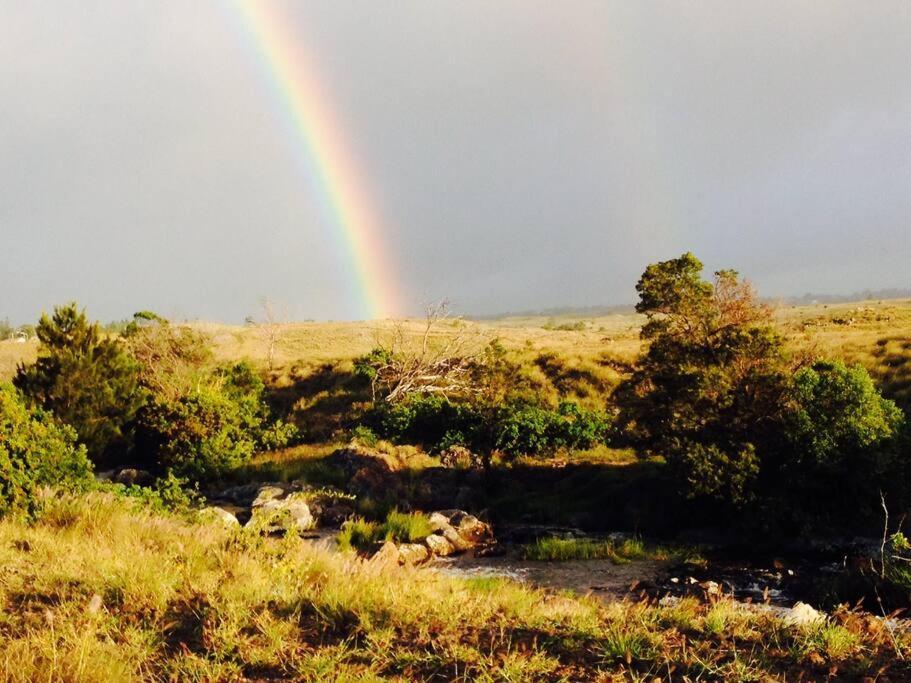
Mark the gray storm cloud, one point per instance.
(521, 154)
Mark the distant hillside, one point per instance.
(560, 312)
(867, 295)
(596, 311)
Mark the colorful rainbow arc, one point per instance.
(307, 108)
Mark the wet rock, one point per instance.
(215, 513)
(711, 590)
(492, 550)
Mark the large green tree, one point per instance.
(739, 420)
(86, 379)
(710, 383)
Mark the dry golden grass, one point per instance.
(873, 333)
(12, 353)
(99, 590)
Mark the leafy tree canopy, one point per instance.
(86, 379)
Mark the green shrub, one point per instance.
(198, 436)
(837, 413)
(212, 430)
(364, 435)
(86, 379)
(741, 424)
(35, 451)
(527, 429)
(517, 428)
(169, 492)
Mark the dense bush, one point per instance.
(86, 379)
(837, 412)
(532, 429)
(35, 451)
(516, 428)
(211, 430)
(841, 443)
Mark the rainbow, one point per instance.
(306, 107)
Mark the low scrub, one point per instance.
(516, 428)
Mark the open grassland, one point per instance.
(870, 332)
(309, 358)
(97, 590)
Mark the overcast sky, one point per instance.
(521, 154)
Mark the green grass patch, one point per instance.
(565, 549)
(401, 527)
(619, 552)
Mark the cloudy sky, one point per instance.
(520, 155)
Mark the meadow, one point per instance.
(868, 332)
(102, 590)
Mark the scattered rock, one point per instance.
(130, 476)
(291, 513)
(413, 553)
(352, 458)
(269, 492)
(240, 495)
(387, 554)
(461, 530)
(711, 589)
(802, 614)
(215, 513)
(438, 545)
(95, 604)
(459, 457)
